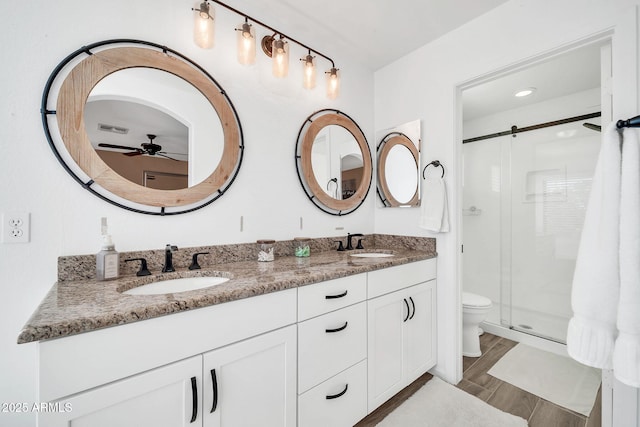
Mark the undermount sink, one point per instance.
(176, 285)
(372, 255)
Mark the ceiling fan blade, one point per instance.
(121, 147)
(171, 158)
(170, 152)
(135, 153)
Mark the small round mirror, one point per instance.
(398, 160)
(333, 162)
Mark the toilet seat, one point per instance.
(475, 301)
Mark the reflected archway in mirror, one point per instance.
(81, 72)
(333, 161)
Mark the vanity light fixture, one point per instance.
(203, 25)
(525, 92)
(308, 71)
(246, 43)
(280, 57)
(333, 83)
(276, 48)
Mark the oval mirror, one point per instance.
(143, 127)
(333, 162)
(398, 168)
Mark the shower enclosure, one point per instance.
(524, 201)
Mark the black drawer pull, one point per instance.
(214, 385)
(194, 396)
(335, 396)
(414, 308)
(407, 304)
(344, 294)
(341, 328)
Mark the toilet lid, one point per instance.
(473, 300)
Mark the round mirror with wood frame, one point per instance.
(79, 73)
(307, 137)
(387, 191)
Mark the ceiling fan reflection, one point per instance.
(149, 148)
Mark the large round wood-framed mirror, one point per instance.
(333, 161)
(109, 107)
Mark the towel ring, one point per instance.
(435, 163)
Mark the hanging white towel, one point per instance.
(594, 298)
(626, 355)
(434, 215)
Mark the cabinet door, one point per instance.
(167, 396)
(385, 371)
(420, 339)
(253, 382)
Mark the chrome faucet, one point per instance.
(350, 241)
(168, 258)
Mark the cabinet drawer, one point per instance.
(343, 410)
(331, 343)
(391, 279)
(320, 298)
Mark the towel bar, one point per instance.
(435, 163)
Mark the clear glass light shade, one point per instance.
(333, 83)
(246, 40)
(280, 58)
(203, 25)
(308, 72)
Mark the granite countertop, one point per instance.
(73, 307)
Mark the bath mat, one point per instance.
(555, 378)
(439, 404)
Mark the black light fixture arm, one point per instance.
(282, 35)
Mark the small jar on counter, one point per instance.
(301, 248)
(265, 250)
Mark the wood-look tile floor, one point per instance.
(504, 396)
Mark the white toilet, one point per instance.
(474, 310)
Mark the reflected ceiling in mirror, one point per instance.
(399, 165)
(333, 161)
(113, 98)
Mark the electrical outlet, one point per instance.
(15, 227)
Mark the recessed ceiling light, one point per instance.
(524, 92)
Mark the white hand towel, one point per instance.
(626, 355)
(434, 214)
(594, 296)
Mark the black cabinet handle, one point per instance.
(194, 396)
(407, 304)
(414, 308)
(214, 385)
(335, 396)
(341, 328)
(344, 294)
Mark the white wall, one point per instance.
(65, 218)
(424, 84)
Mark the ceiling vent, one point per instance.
(112, 129)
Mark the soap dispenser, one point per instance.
(108, 259)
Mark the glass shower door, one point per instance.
(550, 173)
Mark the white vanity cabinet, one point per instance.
(401, 328)
(332, 351)
(252, 383)
(164, 397)
(158, 372)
